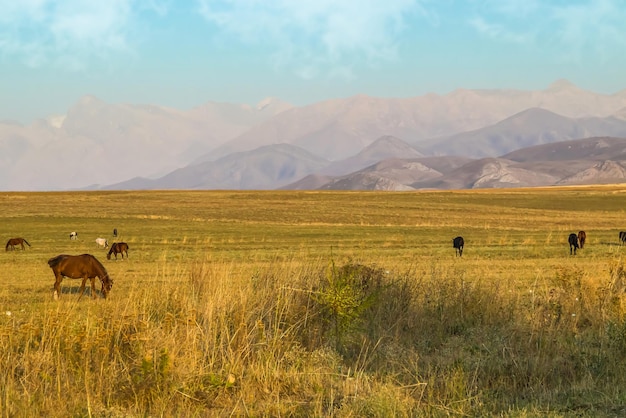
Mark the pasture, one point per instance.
(318, 303)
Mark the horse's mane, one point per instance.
(97, 263)
(56, 260)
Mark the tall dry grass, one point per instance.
(324, 338)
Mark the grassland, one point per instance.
(318, 304)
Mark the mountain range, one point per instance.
(464, 139)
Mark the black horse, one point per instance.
(458, 244)
(622, 237)
(84, 266)
(573, 243)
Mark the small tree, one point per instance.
(344, 296)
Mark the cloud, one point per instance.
(499, 31)
(318, 37)
(596, 26)
(67, 33)
(577, 28)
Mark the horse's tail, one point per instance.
(8, 245)
(55, 260)
(26, 242)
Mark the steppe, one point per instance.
(318, 303)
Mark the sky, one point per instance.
(185, 53)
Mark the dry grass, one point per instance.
(318, 304)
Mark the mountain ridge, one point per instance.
(97, 142)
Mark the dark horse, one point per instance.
(84, 266)
(582, 237)
(118, 248)
(622, 237)
(16, 241)
(458, 244)
(573, 243)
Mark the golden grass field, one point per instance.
(268, 303)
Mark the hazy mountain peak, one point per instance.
(56, 121)
(265, 103)
(272, 105)
(534, 116)
(561, 85)
(88, 100)
(390, 145)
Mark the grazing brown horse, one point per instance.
(16, 241)
(582, 237)
(84, 266)
(118, 248)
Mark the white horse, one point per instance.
(102, 242)
(73, 235)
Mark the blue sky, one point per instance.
(185, 53)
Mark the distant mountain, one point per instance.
(99, 143)
(393, 174)
(102, 143)
(488, 173)
(267, 167)
(583, 161)
(383, 148)
(337, 129)
(604, 172)
(620, 114)
(530, 127)
(309, 182)
(596, 148)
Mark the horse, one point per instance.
(118, 248)
(16, 241)
(103, 242)
(458, 244)
(622, 237)
(573, 243)
(582, 237)
(84, 266)
(73, 235)
(115, 232)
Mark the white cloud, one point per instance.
(577, 28)
(316, 37)
(596, 26)
(65, 33)
(499, 31)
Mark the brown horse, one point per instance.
(582, 237)
(84, 266)
(16, 241)
(118, 248)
